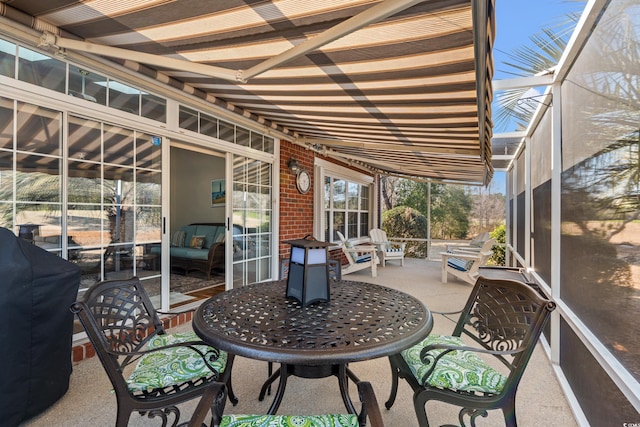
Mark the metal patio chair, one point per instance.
(214, 399)
(125, 330)
(502, 320)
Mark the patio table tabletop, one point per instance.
(361, 321)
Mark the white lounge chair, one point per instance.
(465, 265)
(359, 256)
(473, 246)
(387, 249)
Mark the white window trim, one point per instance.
(322, 168)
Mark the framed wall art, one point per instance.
(218, 193)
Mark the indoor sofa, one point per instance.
(198, 246)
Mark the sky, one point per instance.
(516, 20)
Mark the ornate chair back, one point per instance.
(124, 328)
(503, 320)
(505, 315)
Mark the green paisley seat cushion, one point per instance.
(458, 370)
(172, 366)
(346, 420)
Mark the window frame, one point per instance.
(325, 169)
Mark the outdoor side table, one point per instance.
(362, 321)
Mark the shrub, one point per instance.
(500, 236)
(406, 222)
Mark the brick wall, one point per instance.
(296, 210)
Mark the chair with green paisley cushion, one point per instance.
(162, 370)
(478, 366)
(214, 399)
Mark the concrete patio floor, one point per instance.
(540, 400)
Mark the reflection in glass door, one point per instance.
(252, 220)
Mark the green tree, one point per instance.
(500, 236)
(406, 222)
(457, 205)
(414, 194)
(450, 206)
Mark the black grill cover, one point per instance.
(36, 327)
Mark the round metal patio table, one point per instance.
(361, 321)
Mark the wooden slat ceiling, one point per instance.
(408, 94)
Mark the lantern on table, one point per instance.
(308, 279)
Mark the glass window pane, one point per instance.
(264, 269)
(124, 97)
(90, 263)
(118, 145)
(364, 224)
(118, 185)
(269, 145)
(188, 119)
(239, 169)
(38, 178)
(352, 221)
(256, 141)
(327, 227)
(148, 224)
(85, 139)
(327, 192)
(6, 123)
(7, 59)
(364, 197)
(38, 129)
(87, 85)
(242, 137)
(208, 125)
(227, 131)
(265, 174)
(6, 176)
(253, 198)
(153, 107)
(339, 187)
(41, 70)
(353, 195)
(6, 215)
(338, 225)
(148, 187)
(117, 261)
(84, 182)
(42, 222)
(148, 151)
(120, 223)
(84, 224)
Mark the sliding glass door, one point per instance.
(252, 219)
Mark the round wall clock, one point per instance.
(303, 181)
